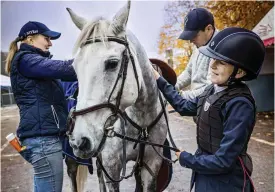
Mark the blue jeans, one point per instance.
(45, 155)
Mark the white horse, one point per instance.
(118, 96)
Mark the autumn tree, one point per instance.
(244, 14)
(175, 12)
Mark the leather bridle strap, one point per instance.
(93, 108)
(140, 141)
(122, 73)
(166, 119)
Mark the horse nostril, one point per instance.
(85, 145)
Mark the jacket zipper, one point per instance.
(55, 117)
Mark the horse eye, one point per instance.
(111, 64)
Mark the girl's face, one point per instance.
(220, 71)
(40, 41)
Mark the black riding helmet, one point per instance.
(240, 47)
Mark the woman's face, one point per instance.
(42, 42)
(220, 72)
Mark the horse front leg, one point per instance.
(72, 166)
(149, 174)
(100, 176)
(113, 168)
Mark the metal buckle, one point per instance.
(109, 124)
(145, 132)
(109, 131)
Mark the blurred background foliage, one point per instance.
(246, 14)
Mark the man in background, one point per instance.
(199, 29)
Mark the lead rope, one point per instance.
(166, 118)
(169, 161)
(245, 173)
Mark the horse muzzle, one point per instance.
(82, 149)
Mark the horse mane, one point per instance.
(96, 28)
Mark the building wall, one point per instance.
(268, 65)
(262, 88)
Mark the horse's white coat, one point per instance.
(95, 85)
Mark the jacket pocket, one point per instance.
(55, 117)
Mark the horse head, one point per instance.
(112, 69)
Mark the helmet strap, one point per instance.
(232, 79)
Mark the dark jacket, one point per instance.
(70, 89)
(38, 94)
(220, 171)
(210, 121)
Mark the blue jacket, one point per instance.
(220, 171)
(38, 94)
(69, 89)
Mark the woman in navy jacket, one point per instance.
(40, 98)
(226, 113)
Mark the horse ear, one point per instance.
(120, 19)
(80, 22)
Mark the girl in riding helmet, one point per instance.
(41, 102)
(226, 113)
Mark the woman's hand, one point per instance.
(156, 74)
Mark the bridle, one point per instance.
(113, 107)
(117, 113)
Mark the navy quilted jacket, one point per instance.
(38, 93)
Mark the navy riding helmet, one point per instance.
(240, 47)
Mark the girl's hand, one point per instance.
(156, 74)
(178, 154)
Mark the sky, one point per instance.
(145, 20)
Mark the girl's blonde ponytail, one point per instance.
(12, 50)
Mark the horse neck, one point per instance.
(147, 106)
